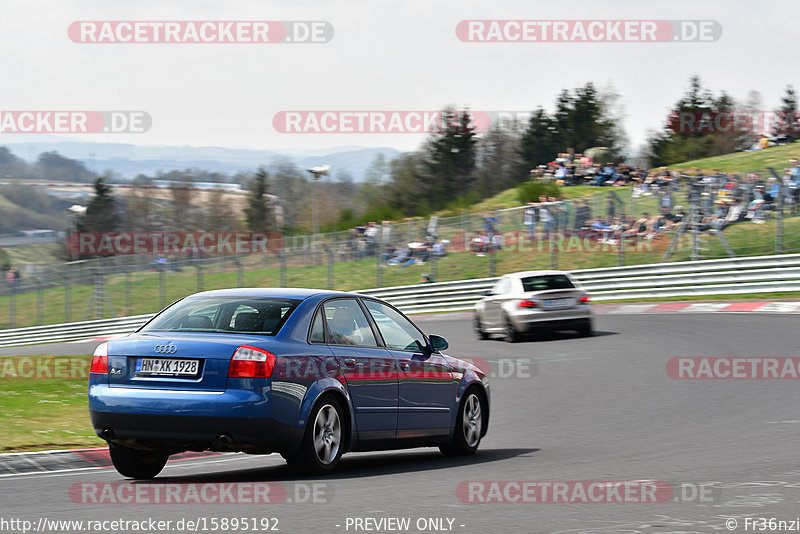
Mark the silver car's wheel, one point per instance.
(327, 434)
(510, 331)
(479, 328)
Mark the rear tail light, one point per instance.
(527, 304)
(100, 360)
(584, 300)
(251, 362)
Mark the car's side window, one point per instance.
(317, 334)
(397, 331)
(347, 324)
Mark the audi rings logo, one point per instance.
(166, 349)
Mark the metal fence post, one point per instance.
(239, 273)
(378, 271)
(12, 306)
(39, 304)
(553, 252)
(199, 277)
(127, 292)
(329, 255)
(67, 296)
(492, 260)
(162, 291)
(282, 258)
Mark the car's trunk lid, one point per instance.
(170, 360)
(556, 299)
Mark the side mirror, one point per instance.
(438, 343)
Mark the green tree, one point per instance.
(101, 212)
(539, 143)
(498, 161)
(258, 210)
(449, 158)
(680, 140)
(788, 114)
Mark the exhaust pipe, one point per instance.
(107, 434)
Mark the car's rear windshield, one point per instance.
(242, 315)
(546, 281)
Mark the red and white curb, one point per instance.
(698, 307)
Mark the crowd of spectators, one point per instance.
(707, 201)
(714, 201)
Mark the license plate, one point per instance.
(167, 367)
(556, 303)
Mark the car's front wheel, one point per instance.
(469, 425)
(323, 441)
(137, 464)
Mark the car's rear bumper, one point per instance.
(251, 420)
(551, 320)
(184, 432)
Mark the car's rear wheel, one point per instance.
(323, 441)
(137, 464)
(469, 425)
(479, 328)
(586, 329)
(511, 335)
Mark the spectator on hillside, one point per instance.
(438, 249)
(583, 215)
(12, 276)
(529, 219)
(371, 238)
(480, 244)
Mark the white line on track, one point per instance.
(81, 470)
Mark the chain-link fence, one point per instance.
(671, 218)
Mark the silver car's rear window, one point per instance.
(240, 315)
(546, 281)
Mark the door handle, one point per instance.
(349, 363)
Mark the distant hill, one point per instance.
(129, 160)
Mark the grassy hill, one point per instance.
(777, 157)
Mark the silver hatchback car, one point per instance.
(526, 302)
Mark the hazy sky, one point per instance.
(386, 55)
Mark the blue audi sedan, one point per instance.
(305, 373)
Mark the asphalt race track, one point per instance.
(586, 409)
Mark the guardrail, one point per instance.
(736, 276)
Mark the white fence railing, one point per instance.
(737, 276)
